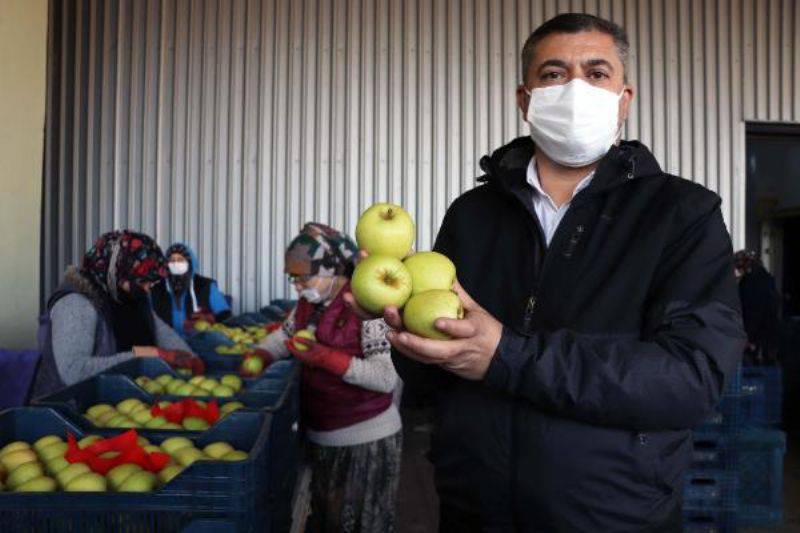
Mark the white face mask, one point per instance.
(312, 295)
(179, 268)
(574, 124)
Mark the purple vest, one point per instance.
(328, 402)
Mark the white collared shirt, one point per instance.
(546, 210)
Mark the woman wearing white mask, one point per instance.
(351, 422)
(186, 296)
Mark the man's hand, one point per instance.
(468, 354)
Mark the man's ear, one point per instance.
(522, 100)
(625, 102)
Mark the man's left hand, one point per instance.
(470, 351)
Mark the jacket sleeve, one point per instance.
(672, 375)
(422, 382)
(218, 304)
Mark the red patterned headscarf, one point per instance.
(119, 256)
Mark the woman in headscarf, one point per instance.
(101, 314)
(186, 296)
(760, 304)
(351, 422)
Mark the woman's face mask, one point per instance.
(178, 268)
(318, 289)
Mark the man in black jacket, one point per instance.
(603, 321)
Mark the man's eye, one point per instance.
(598, 75)
(551, 75)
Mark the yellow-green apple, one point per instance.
(385, 229)
(88, 482)
(429, 271)
(423, 309)
(380, 281)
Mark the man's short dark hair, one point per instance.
(573, 23)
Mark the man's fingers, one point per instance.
(435, 351)
(459, 329)
(392, 317)
(361, 313)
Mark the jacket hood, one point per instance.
(624, 161)
(183, 249)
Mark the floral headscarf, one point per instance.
(119, 256)
(321, 250)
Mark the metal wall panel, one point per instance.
(229, 123)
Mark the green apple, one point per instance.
(117, 475)
(88, 440)
(142, 441)
(380, 281)
(429, 271)
(118, 421)
(46, 441)
(223, 391)
(232, 381)
(423, 309)
(209, 384)
(230, 407)
(96, 410)
(235, 455)
(110, 455)
(193, 423)
(14, 447)
(71, 472)
(154, 388)
(173, 444)
(53, 451)
(126, 407)
(184, 372)
(184, 390)
(155, 422)
(164, 379)
(39, 484)
(152, 448)
(187, 456)
(139, 482)
(217, 449)
(142, 417)
(54, 466)
(174, 385)
(142, 381)
(88, 482)
(385, 229)
(168, 473)
(171, 425)
(13, 459)
(253, 366)
(103, 419)
(24, 473)
(304, 334)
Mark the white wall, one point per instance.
(23, 43)
(229, 123)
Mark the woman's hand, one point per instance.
(145, 351)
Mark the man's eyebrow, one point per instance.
(599, 63)
(553, 63)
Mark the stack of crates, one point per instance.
(762, 446)
(710, 496)
(250, 495)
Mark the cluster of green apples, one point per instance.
(41, 467)
(420, 283)
(133, 413)
(225, 387)
(243, 337)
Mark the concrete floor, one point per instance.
(418, 505)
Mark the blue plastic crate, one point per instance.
(73, 401)
(710, 489)
(727, 415)
(762, 394)
(713, 449)
(761, 476)
(710, 521)
(236, 495)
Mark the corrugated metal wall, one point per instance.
(227, 124)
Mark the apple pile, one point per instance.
(50, 464)
(244, 337)
(226, 386)
(421, 283)
(133, 413)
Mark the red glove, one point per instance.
(272, 326)
(178, 359)
(320, 356)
